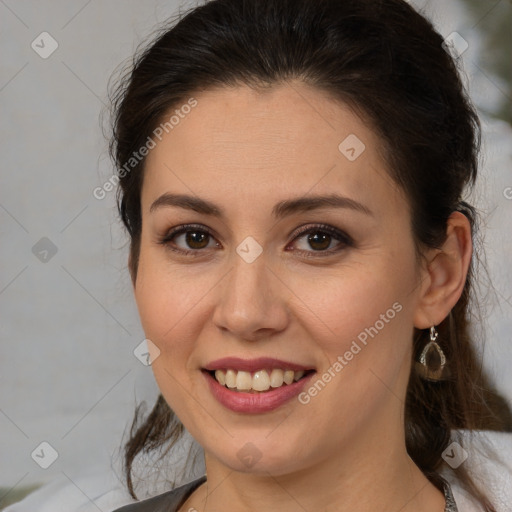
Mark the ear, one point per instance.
(445, 274)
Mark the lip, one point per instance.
(255, 403)
(253, 365)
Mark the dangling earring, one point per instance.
(423, 368)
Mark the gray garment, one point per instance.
(171, 501)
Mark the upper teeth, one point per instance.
(262, 380)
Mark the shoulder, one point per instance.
(487, 457)
(166, 502)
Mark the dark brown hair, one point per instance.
(385, 60)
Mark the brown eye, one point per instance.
(192, 240)
(188, 239)
(319, 241)
(196, 239)
(322, 239)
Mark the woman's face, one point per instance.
(270, 270)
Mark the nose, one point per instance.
(251, 302)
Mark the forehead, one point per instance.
(250, 146)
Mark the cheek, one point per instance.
(355, 302)
(164, 313)
(166, 297)
(164, 306)
(365, 362)
(363, 325)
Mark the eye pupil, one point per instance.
(194, 239)
(324, 239)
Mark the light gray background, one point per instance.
(69, 326)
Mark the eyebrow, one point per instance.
(280, 210)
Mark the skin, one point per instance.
(245, 151)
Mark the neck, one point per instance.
(367, 469)
(375, 475)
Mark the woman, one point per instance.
(292, 175)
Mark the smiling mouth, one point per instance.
(260, 381)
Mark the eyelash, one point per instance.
(344, 239)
